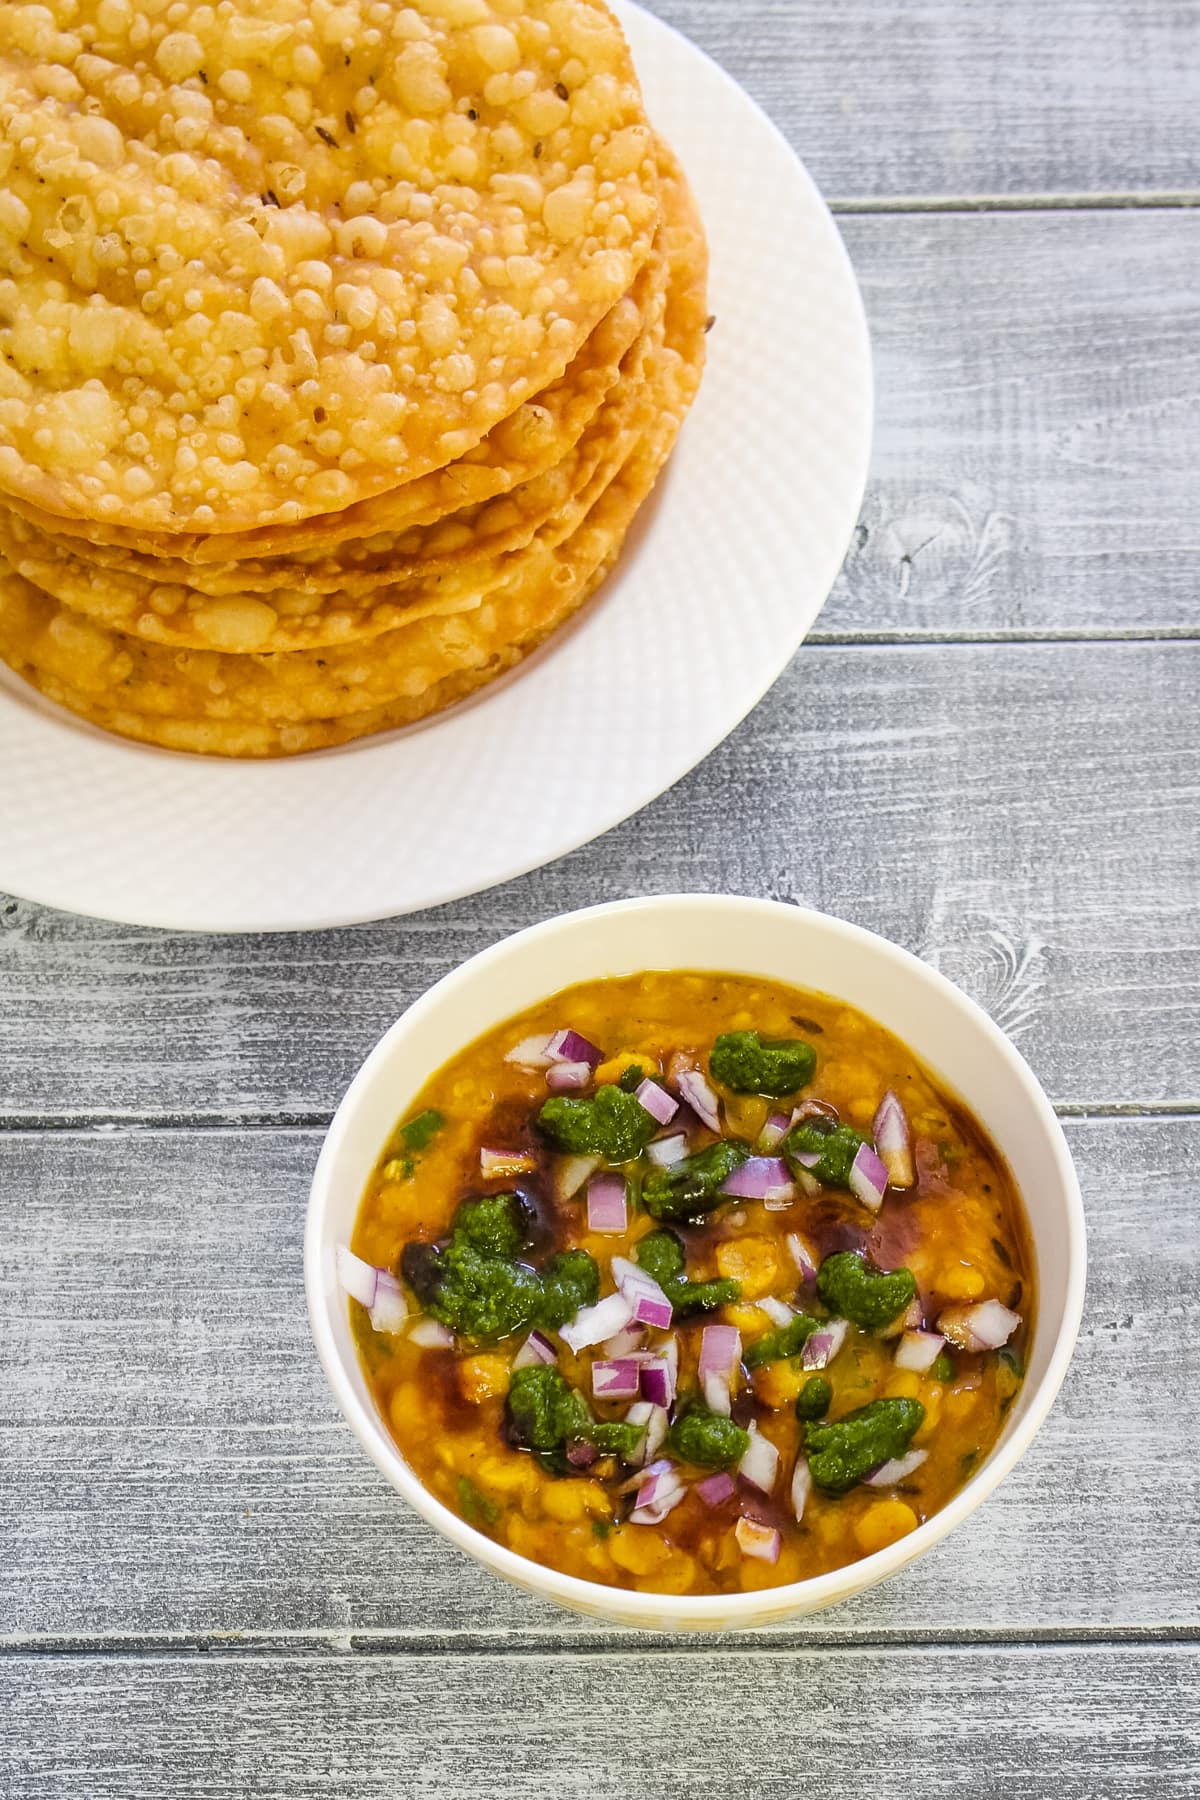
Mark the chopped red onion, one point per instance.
(694, 1088)
(656, 1422)
(498, 1165)
(658, 1379)
(606, 1208)
(760, 1178)
(357, 1278)
(778, 1311)
(570, 1047)
(919, 1350)
(390, 1308)
(773, 1132)
(720, 1356)
(801, 1486)
(570, 1173)
(617, 1380)
(758, 1540)
(664, 1152)
(531, 1053)
(760, 1463)
(568, 1078)
(824, 1345)
(659, 1490)
(581, 1455)
(982, 1327)
(808, 1159)
(592, 1324)
(649, 1305)
(431, 1334)
(900, 1467)
(893, 1141)
(715, 1490)
(626, 1342)
(808, 1184)
(656, 1100)
(868, 1178)
(536, 1349)
(803, 1255)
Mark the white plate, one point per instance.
(716, 590)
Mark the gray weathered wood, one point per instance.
(1038, 429)
(894, 98)
(171, 1468)
(1019, 815)
(164, 1420)
(1118, 1722)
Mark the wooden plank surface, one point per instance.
(1112, 1721)
(908, 98)
(1022, 812)
(164, 1419)
(1018, 815)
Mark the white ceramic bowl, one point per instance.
(957, 1041)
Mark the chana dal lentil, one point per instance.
(691, 1283)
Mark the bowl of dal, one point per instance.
(695, 1262)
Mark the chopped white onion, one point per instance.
(801, 1486)
(356, 1277)
(592, 1324)
(760, 1463)
(803, 1255)
(919, 1350)
(390, 1308)
(984, 1326)
(897, 1470)
(531, 1053)
(656, 1421)
(665, 1152)
(431, 1334)
(758, 1540)
(778, 1311)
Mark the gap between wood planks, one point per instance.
(85, 1124)
(274, 1646)
(1130, 200)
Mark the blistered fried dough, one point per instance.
(506, 634)
(388, 572)
(370, 638)
(518, 449)
(303, 615)
(305, 684)
(261, 263)
(272, 703)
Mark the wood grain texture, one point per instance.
(1038, 427)
(849, 1723)
(171, 1462)
(1019, 816)
(886, 98)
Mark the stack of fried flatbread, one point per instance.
(339, 344)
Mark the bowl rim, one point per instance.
(650, 1608)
